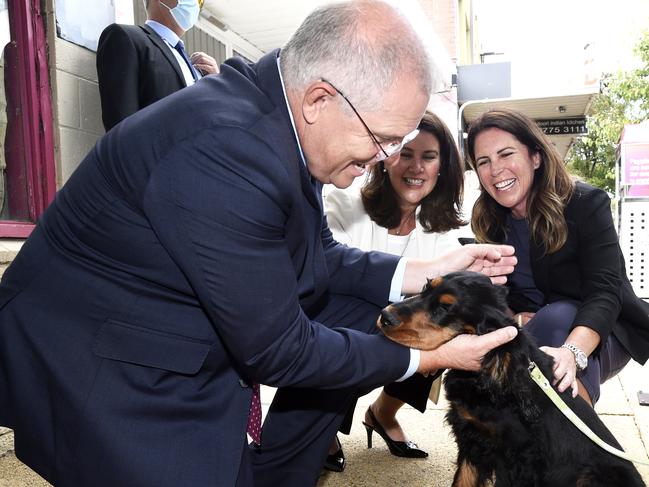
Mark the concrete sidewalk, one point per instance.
(618, 408)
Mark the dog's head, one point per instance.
(467, 302)
(461, 302)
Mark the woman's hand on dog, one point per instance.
(465, 352)
(565, 369)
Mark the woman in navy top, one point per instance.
(569, 287)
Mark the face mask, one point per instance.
(185, 13)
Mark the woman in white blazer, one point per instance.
(412, 209)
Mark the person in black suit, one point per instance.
(188, 259)
(139, 65)
(570, 285)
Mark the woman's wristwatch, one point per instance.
(581, 359)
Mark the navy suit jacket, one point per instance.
(135, 68)
(177, 265)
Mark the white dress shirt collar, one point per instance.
(288, 107)
(168, 35)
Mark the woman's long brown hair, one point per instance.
(551, 188)
(441, 208)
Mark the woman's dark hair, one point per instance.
(441, 208)
(551, 188)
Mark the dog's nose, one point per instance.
(389, 319)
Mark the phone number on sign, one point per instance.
(573, 129)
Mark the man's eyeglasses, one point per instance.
(391, 148)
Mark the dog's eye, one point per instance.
(440, 312)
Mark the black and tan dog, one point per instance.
(505, 427)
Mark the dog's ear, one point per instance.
(500, 293)
(495, 313)
(492, 319)
(504, 375)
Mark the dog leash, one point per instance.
(544, 384)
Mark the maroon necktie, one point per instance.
(254, 416)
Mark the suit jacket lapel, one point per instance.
(164, 48)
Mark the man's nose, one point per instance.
(392, 160)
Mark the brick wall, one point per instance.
(442, 15)
(76, 104)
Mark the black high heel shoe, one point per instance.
(336, 461)
(405, 449)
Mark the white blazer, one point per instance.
(351, 225)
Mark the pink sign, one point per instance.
(638, 191)
(635, 164)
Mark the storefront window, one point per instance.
(27, 182)
(4, 44)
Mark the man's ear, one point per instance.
(317, 97)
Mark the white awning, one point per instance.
(549, 107)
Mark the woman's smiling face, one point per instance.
(415, 175)
(506, 169)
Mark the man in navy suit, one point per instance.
(188, 258)
(139, 65)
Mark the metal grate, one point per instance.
(634, 240)
(197, 39)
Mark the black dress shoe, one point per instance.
(398, 448)
(336, 461)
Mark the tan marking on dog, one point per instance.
(497, 368)
(468, 328)
(436, 282)
(447, 299)
(477, 423)
(585, 480)
(389, 308)
(419, 332)
(466, 475)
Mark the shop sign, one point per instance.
(635, 164)
(563, 126)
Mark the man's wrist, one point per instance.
(413, 366)
(396, 285)
(429, 361)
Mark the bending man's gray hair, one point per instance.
(360, 46)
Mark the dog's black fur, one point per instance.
(505, 427)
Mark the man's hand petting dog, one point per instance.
(465, 352)
(494, 261)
